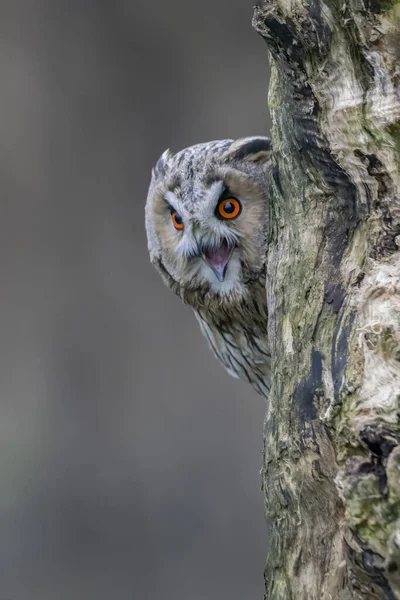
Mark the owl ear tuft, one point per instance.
(161, 165)
(252, 149)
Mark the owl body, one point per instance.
(238, 339)
(206, 223)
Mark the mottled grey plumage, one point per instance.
(216, 263)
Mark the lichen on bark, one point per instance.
(331, 446)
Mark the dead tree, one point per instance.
(331, 473)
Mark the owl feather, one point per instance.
(206, 223)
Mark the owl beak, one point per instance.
(218, 258)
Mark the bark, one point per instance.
(331, 472)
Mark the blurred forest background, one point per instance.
(129, 460)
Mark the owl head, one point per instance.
(206, 218)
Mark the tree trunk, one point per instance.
(331, 473)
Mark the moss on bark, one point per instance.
(331, 446)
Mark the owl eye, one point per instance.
(177, 220)
(229, 208)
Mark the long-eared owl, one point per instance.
(206, 223)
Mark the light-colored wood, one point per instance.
(331, 474)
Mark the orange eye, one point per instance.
(177, 220)
(229, 208)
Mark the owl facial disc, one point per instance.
(218, 258)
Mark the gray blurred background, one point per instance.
(129, 460)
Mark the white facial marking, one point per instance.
(176, 203)
(209, 201)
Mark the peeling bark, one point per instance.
(331, 473)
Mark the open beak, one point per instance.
(218, 258)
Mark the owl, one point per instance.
(206, 222)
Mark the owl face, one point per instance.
(206, 217)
